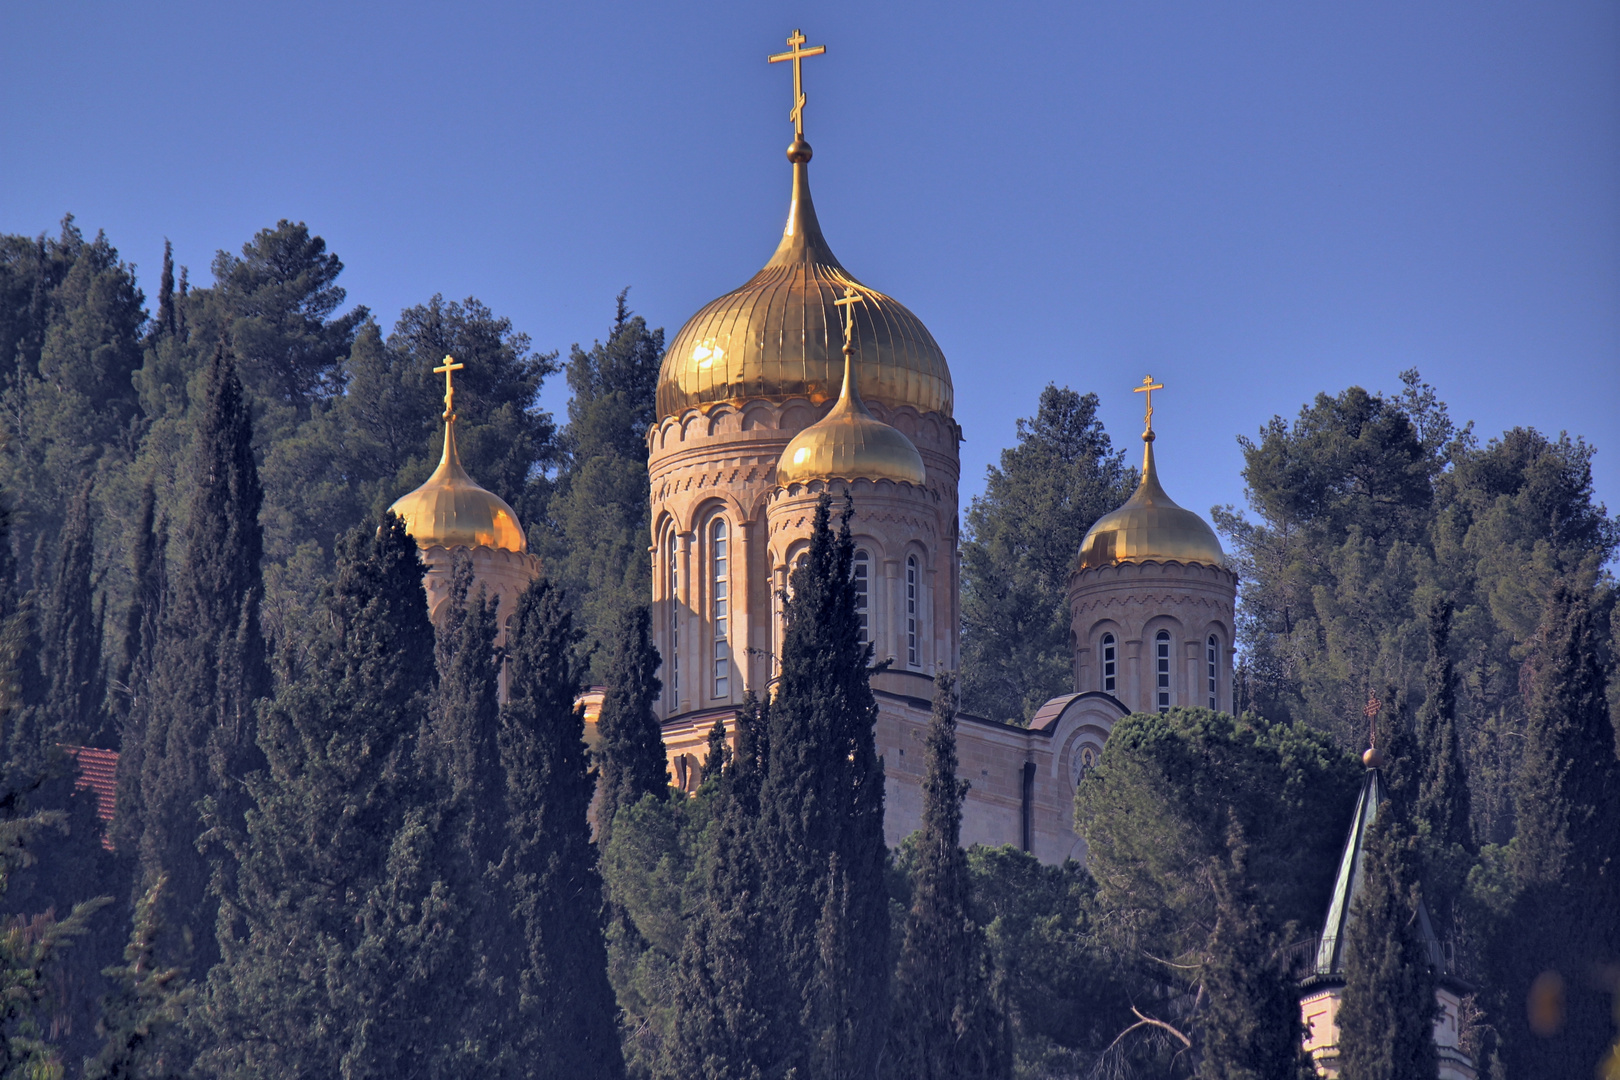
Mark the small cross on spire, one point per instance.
(851, 298)
(1147, 387)
(797, 55)
(446, 369)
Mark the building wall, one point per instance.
(1319, 1010)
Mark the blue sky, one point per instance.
(1252, 201)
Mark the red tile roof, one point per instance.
(98, 772)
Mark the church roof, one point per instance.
(1150, 527)
(1347, 886)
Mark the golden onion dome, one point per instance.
(1150, 527)
(451, 510)
(849, 443)
(778, 336)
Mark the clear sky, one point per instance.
(1252, 201)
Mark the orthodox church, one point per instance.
(806, 380)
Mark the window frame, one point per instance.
(719, 576)
(1109, 663)
(913, 597)
(1212, 653)
(1162, 656)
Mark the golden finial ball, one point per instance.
(1373, 758)
(798, 152)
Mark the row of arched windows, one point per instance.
(712, 567)
(1161, 668)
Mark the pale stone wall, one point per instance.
(1134, 602)
(503, 574)
(1319, 1010)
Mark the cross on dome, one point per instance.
(446, 369)
(1147, 387)
(851, 298)
(797, 55)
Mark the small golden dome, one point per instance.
(849, 443)
(451, 510)
(778, 336)
(1150, 527)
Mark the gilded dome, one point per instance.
(849, 443)
(1150, 527)
(451, 510)
(778, 336)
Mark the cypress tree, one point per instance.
(313, 974)
(70, 653)
(1565, 858)
(568, 1018)
(631, 752)
(1251, 1025)
(461, 760)
(165, 314)
(198, 723)
(132, 675)
(822, 797)
(1386, 1021)
(947, 1024)
(1442, 790)
(139, 1019)
(732, 1021)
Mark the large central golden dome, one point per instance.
(779, 336)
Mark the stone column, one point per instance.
(1133, 674)
(688, 622)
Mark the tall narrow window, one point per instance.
(1211, 653)
(1110, 664)
(911, 610)
(720, 577)
(863, 590)
(674, 617)
(1162, 641)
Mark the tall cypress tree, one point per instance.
(140, 1018)
(1442, 795)
(461, 761)
(198, 726)
(1386, 1021)
(732, 1018)
(1565, 858)
(131, 678)
(165, 323)
(821, 817)
(631, 752)
(70, 652)
(1251, 1025)
(947, 1024)
(568, 1018)
(312, 974)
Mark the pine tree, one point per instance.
(1022, 535)
(139, 1019)
(313, 973)
(568, 1018)
(631, 751)
(733, 1019)
(946, 1024)
(598, 512)
(1251, 1024)
(822, 796)
(1565, 858)
(1442, 794)
(197, 723)
(1386, 1020)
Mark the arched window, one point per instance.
(911, 610)
(1161, 641)
(674, 544)
(862, 577)
(720, 576)
(1110, 664)
(1212, 652)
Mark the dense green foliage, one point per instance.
(630, 743)
(947, 1024)
(1023, 535)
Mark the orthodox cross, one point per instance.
(446, 368)
(797, 55)
(851, 298)
(1371, 713)
(1147, 387)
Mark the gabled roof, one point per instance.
(1347, 886)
